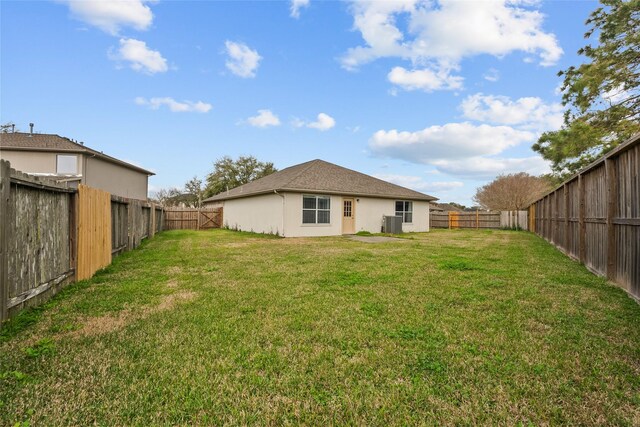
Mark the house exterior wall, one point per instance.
(282, 214)
(293, 226)
(36, 161)
(369, 212)
(260, 214)
(115, 179)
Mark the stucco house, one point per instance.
(318, 198)
(62, 159)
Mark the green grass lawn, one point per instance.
(220, 327)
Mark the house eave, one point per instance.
(84, 151)
(218, 198)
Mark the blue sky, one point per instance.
(437, 96)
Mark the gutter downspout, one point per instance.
(283, 210)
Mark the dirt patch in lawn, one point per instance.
(114, 322)
(175, 269)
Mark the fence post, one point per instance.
(73, 234)
(612, 202)
(5, 188)
(581, 224)
(130, 226)
(152, 220)
(566, 217)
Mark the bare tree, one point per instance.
(514, 191)
(167, 196)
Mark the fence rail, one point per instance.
(493, 219)
(594, 216)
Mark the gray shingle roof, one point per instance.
(318, 176)
(49, 142)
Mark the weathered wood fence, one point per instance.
(192, 218)
(594, 217)
(37, 239)
(478, 219)
(51, 235)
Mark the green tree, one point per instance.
(195, 191)
(602, 95)
(228, 173)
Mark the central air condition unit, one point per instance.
(391, 224)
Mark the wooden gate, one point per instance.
(210, 218)
(192, 219)
(454, 220)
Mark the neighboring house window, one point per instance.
(316, 209)
(405, 210)
(67, 164)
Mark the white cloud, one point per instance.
(492, 75)
(527, 113)
(173, 105)
(425, 79)
(440, 34)
(419, 184)
(243, 61)
(323, 122)
(489, 167)
(139, 56)
(296, 5)
(111, 16)
(265, 118)
(450, 141)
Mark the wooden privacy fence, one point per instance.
(51, 235)
(192, 218)
(478, 219)
(594, 216)
(37, 231)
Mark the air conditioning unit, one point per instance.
(391, 224)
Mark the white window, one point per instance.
(316, 209)
(67, 165)
(405, 210)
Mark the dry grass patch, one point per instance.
(115, 322)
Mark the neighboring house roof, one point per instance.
(318, 176)
(446, 207)
(20, 141)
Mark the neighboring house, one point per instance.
(445, 207)
(318, 198)
(62, 159)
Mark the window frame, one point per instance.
(66, 157)
(316, 209)
(407, 209)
